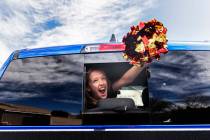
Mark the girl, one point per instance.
(98, 86)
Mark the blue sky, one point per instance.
(41, 23)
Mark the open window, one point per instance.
(130, 99)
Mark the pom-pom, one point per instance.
(145, 42)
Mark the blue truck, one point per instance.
(45, 87)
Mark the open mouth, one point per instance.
(102, 90)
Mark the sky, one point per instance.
(42, 23)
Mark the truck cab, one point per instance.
(46, 86)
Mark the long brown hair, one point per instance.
(90, 101)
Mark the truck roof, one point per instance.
(96, 47)
(79, 48)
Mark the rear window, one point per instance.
(182, 77)
(52, 83)
(179, 87)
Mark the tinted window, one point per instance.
(180, 83)
(53, 83)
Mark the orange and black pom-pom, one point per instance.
(145, 42)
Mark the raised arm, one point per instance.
(128, 77)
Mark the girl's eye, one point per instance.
(94, 81)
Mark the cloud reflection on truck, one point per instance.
(45, 86)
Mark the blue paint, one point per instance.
(71, 49)
(6, 64)
(102, 127)
(57, 50)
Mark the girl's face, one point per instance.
(98, 84)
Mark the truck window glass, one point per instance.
(42, 87)
(179, 88)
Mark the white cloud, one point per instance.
(92, 21)
(9, 96)
(4, 53)
(81, 21)
(22, 23)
